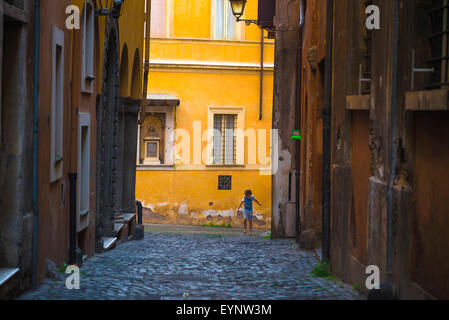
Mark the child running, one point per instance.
(248, 210)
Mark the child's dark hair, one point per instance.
(248, 193)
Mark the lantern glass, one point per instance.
(238, 7)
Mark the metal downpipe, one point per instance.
(72, 231)
(298, 120)
(393, 140)
(37, 5)
(262, 45)
(327, 112)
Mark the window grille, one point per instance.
(224, 182)
(225, 144)
(365, 68)
(438, 37)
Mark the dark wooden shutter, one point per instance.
(267, 9)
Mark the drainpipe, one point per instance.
(262, 44)
(298, 119)
(147, 57)
(393, 140)
(140, 117)
(72, 231)
(327, 111)
(37, 5)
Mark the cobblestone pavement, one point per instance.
(199, 266)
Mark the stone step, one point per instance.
(6, 274)
(128, 216)
(118, 227)
(109, 242)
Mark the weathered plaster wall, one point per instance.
(82, 101)
(191, 197)
(362, 150)
(203, 72)
(53, 203)
(284, 103)
(312, 95)
(190, 181)
(16, 108)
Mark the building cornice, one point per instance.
(212, 41)
(190, 64)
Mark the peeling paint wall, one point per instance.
(177, 201)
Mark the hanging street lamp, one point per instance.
(238, 9)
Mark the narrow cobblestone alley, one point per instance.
(204, 265)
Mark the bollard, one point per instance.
(139, 212)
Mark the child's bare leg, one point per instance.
(251, 227)
(244, 226)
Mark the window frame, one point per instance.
(227, 8)
(164, 12)
(83, 177)
(239, 133)
(88, 48)
(442, 57)
(422, 49)
(152, 160)
(221, 184)
(422, 92)
(224, 139)
(57, 106)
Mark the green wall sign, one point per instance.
(296, 135)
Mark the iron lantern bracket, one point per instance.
(248, 21)
(115, 11)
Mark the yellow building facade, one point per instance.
(205, 135)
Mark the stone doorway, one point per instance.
(107, 139)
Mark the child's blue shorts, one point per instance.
(248, 215)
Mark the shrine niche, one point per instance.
(152, 144)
